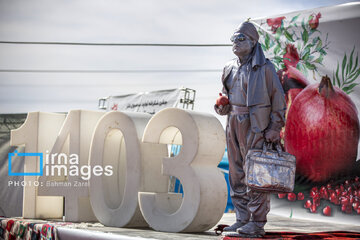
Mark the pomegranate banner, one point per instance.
(316, 55)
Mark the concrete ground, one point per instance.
(275, 224)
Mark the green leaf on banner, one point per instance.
(267, 41)
(351, 59)
(310, 66)
(318, 45)
(322, 51)
(308, 47)
(306, 51)
(305, 36)
(278, 59)
(303, 24)
(272, 43)
(350, 87)
(319, 59)
(289, 36)
(343, 66)
(354, 76)
(277, 49)
(356, 63)
(294, 18)
(306, 56)
(278, 34)
(315, 40)
(298, 66)
(337, 75)
(263, 47)
(304, 70)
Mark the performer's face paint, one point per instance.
(242, 44)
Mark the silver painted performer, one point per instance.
(255, 114)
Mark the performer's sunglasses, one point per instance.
(238, 37)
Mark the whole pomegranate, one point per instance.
(222, 100)
(322, 131)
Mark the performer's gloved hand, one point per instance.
(222, 110)
(272, 136)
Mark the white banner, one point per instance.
(147, 102)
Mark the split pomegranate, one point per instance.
(292, 80)
(322, 131)
(222, 100)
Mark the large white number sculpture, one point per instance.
(130, 168)
(205, 192)
(115, 199)
(74, 138)
(38, 133)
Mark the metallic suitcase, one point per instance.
(268, 170)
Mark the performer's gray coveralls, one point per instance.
(257, 105)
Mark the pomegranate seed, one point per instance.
(346, 208)
(327, 211)
(314, 189)
(334, 199)
(300, 196)
(291, 197)
(345, 201)
(316, 202)
(338, 191)
(307, 204)
(313, 209)
(281, 195)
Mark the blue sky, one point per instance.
(154, 21)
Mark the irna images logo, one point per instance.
(61, 165)
(12, 155)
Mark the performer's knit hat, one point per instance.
(249, 30)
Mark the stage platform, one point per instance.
(276, 224)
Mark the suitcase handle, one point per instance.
(269, 146)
